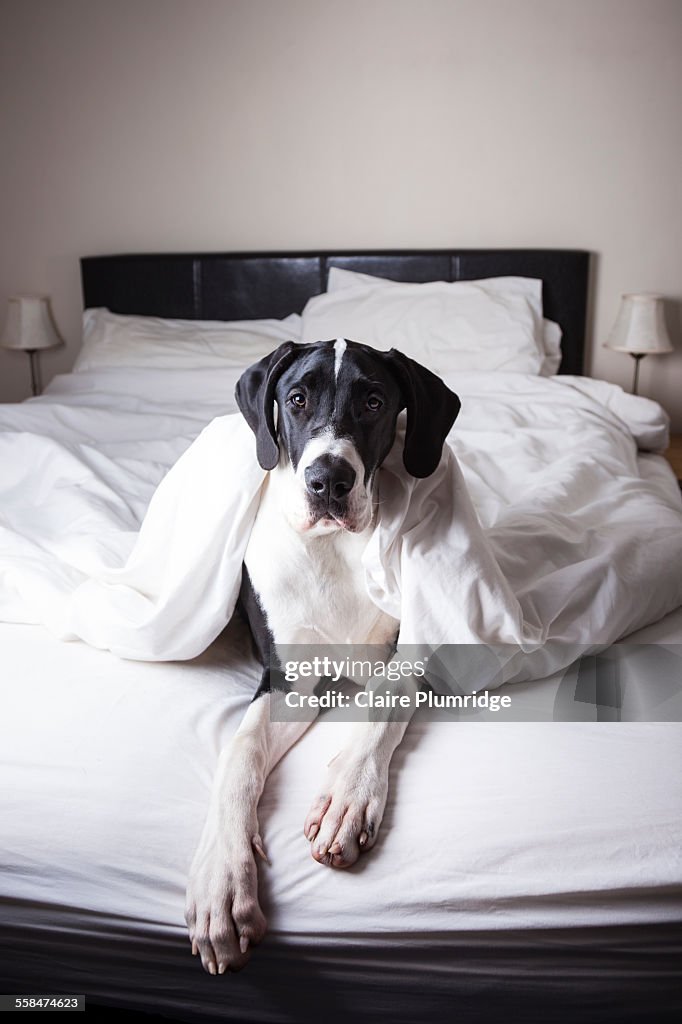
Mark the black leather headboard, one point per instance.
(238, 286)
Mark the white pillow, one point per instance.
(463, 350)
(112, 340)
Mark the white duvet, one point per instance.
(565, 543)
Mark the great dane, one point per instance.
(324, 417)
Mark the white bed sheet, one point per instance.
(120, 755)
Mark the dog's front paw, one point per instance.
(221, 909)
(345, 817)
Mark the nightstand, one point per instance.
(674, 456)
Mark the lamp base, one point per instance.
(637, 356)
(35, 370)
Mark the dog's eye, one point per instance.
(297, 399)
(374, 403)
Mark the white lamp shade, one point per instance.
(640, 326)
(29, 324)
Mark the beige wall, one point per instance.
(237, 124)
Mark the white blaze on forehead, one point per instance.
(339, 349)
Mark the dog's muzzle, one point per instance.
(329, 480)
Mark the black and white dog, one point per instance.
(337, 405)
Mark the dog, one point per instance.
(337, 405)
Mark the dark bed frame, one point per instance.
(254, 285)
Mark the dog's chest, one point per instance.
(312, 589)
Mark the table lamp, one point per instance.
(639, 329)
(30, 327)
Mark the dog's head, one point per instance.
(337, 405)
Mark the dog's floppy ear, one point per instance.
(255, 394)
(432, 408)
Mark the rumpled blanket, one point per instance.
(590, 552)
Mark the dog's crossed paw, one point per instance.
(345, 817)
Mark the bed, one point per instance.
(529, 865)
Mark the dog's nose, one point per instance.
(329, 478)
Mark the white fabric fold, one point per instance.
(180, 584)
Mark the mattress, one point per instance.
(530, 837)
(532, 859)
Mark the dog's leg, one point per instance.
(344, 818)
(222, 911)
